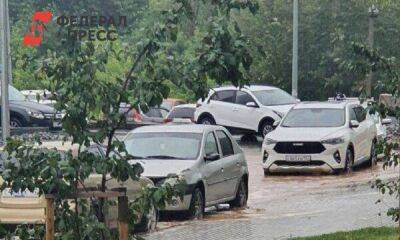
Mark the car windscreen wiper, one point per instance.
(162, 157)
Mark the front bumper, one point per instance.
(51, 123)
(323, 162)
(178, 204)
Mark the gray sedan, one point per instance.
(205, 156)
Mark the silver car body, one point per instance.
(218, 179)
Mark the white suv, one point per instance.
(251, 108)
(323, 137)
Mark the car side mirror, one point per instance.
(354, 124)
(386, 121)
(276, 123)
(252, 104)
(211, 157)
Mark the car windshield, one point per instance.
(164, 145)
(274, 97)
(314, 117)
(14, 94)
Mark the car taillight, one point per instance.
(136, 116)
(167, 120)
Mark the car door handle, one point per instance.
(238, 164)
(235, 109)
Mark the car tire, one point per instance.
(207, 120)
(240, 200)
(266, 127)
(196, 209)
(348, 167)
(16, 122)
(148, 222)
(373, 158)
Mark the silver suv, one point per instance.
(205, 156)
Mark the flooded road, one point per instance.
(280, 207)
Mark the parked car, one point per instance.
(28, 207)
(40, 96)
(380, 123)
(321, 136)
(252, 108)
(25, 113)
(206, 157)
(155, 115)
(169, 103)
(181, 114)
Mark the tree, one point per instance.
(78, 75)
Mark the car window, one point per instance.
(225, 142)
(154, 112)
(224, 96)
(353, 115)
(182, 113)
(243, 98)
(360, 113)
(210, 145)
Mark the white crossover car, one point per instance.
(321, 137)
(250, 109)
(206, 157)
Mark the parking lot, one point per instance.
(284, 206)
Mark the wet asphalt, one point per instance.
(285, 206)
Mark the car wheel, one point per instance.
(373, 155)
(148, 223)
(266, 128)
(240, 200)
(348, 168)
(15, 122)
(207, 121)
(196, 209)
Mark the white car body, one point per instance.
(250, 114)
(313, 149)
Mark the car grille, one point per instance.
(299, 147)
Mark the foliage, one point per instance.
(90, 80)
(372, 59)
(383, 233)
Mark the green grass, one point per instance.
(383, 233)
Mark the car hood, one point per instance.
(162, 168)
(33, 106)
(281, 108)
(304, 134)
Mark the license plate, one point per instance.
(56, 124)
(302, 158)
(25, 194)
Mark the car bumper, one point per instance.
(51, 123)
(179, 205)
(323, 162)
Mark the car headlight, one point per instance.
(269, 141)
(36, 114)
(333, 141)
